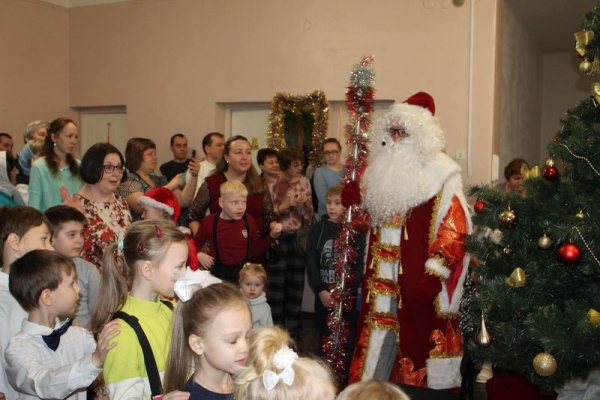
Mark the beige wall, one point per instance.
(170, 62)
(34, 65)
(564, 86)
(520, 91)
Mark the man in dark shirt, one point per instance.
(179, 163)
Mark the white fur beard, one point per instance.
(393, 182)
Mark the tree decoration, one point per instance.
(544, 364)
(507, 218)
(593, 317)
(569, 253)
(544, 242)
(483, 337)
(479, 206)
(507, 251)
(550, 173)
(586, 43)
(517, 278)
(359, 100)
(315, 104)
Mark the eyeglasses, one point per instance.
(331, 153)
(397, 131)
(109, 168)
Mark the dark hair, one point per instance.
(287, 156)
(207, 139)
(92, 163)
(19, 220)
(4, 134)
(262, 155)
(11, 162)
(514, 168)
(55, 128)
(331, 140)
(134, 152)
(35, 272)
(62, 214)
(253, 181)
(181, 135)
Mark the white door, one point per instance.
(94, 129)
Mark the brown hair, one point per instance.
(331, 140)
(514, 168)
(141, 243)
(253, 181)
(335, 190)
(19, 220)
(372, 390)
(287, 156)
(55, 128)
(134, 152)
(35, 272)
(194, 317)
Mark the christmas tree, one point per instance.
(536, 264)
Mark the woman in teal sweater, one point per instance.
(57, 168)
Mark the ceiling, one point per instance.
(553, 22)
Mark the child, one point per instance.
(232, 235)
(372, 390)
(161, 203)
(252, 282)
(49, 358)
(22, 229)
(209, 334)
(320, 259)
(275, 371)
(68, 225)
(138, 269)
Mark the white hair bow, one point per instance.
(283, 360)
(186, 286)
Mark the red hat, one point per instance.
(422, 99)
(163, 199)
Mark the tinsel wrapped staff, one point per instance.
(359, 100)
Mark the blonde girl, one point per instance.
(253, 279)
(209, 334)
(137, 271)
(275, 372)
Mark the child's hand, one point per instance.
(104, 345)
(176, 395)
(276, 230)
(325, 297)
(205, 260)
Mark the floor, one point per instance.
(307, 346)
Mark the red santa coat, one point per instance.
(404, 256)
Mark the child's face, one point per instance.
(151, 213)
(515, 182)
(68, 240)
(233, 205)
(252, 286)
(66, 295)
(270, 166)
(171, 268)
(335, 209)
(37, 238)
(224, 346)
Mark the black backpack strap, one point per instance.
(149, 360)
(168, 304)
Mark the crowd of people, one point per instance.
(175, 276)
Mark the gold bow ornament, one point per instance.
(582, 39)
(593, 317)
(517, 278)
(533, 172)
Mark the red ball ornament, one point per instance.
(569, 253)
(555, 139)
(550, 173)
(479, 206)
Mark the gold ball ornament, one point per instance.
(544, 242)
(544, 364)
(507, 251)
(549, 162)
(585, 66)
(507, 218)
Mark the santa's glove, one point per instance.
(429, 287)
(351, 194)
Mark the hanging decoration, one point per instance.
(544, 364)
(517, 278)
(483, 337)
(569, 253)
(587, 43)
(479, 206)
(507, 218)
(359, 100)
(315, 106)
(544, 242)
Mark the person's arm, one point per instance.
(313, 259)
(197, 210)
(189, 190)
(320, 186)
(131, 190)
(27, 373)
(307, 209)
(35, 186)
